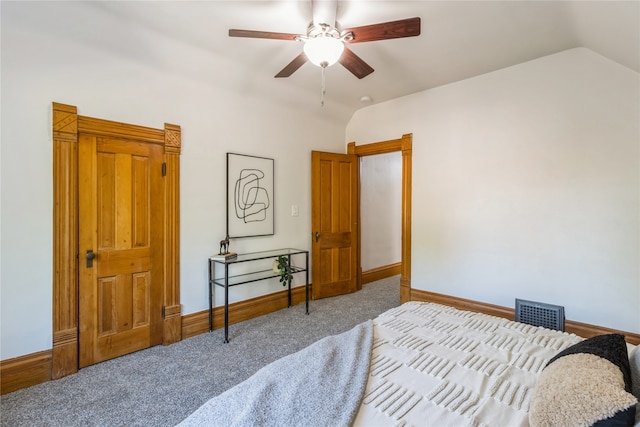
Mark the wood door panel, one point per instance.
(141, 290)
(325, 258)
(140, 213)
(115, 345)
(123, 303)
(113, 262)
(123, 201)
(333, 288)
(106, 196)
(345, 212)
(345, 263)
(107, 322)
(117, 145)
(335, 240)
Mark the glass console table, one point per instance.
(224, 279)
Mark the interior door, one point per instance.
(334, 222)
(121, 246)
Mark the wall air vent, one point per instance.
(540, 314)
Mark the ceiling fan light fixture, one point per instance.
(323, 50)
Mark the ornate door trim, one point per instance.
(66, 125)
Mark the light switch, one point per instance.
(294, 210)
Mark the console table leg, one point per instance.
(210, 309)
(306, 286)
(211, 279)
(226, 303)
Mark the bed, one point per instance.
(425, 364)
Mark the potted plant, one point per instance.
(286, 276)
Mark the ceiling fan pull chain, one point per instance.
(323, 89)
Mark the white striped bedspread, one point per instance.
(434, 365)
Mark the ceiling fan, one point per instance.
(324, 41)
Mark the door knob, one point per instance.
(317, 236)
(90, 256)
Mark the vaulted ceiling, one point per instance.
(459, 40)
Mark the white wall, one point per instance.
(41, 64)
(526, 184)
(381, 210)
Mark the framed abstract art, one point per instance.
(249, 196)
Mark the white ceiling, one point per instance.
(460, 39)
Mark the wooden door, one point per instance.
(334, 223)
(121, 218)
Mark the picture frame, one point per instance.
(250, 196)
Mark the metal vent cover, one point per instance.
(540, 314)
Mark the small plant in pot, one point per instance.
(286, 276)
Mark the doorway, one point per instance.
(380, 215)
(403, 145)
(68, 263)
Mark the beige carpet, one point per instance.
(160, 386)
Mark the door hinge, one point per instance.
(163, 312)
(164, 169)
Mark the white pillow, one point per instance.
(585, 384)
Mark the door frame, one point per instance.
(66, 124)
(404, 145)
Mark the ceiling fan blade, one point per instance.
(387, 30)
(263, 35)
(292, 66)
(355, 64)
(324, 12)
